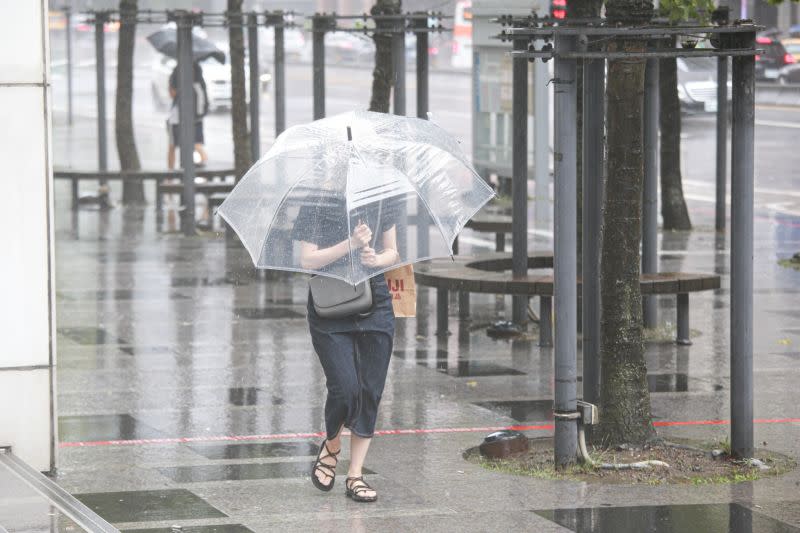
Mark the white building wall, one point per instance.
(27, 307)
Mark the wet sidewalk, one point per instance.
(189, 395)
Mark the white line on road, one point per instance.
(778, 124)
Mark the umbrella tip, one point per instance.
(349, 134)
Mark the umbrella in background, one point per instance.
(166, 42)
(320, 181)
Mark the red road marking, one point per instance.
(420, 431)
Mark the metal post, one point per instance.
(722, 142)
(650, 189)
(519, 170)
(545, 321)
(564, 257)
(541, 143)
(423, 228)
(100, 70)
(399, 60)
(186, 117)
(593, 153)
(742, 142)
(318, 24)
(68, 21)
(279, 80)
(255, 86)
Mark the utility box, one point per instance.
(491, 88)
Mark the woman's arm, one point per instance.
(314, 258)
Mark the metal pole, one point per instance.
(519, 171)
(650, 189)
(100, 70)
(722, 141)
(399, 60)
(255, 86)
(742, 142)
(593, 152)
(318, 25)
(186, 117)
(541, 143)
(423, 228)
(565, 267)
(68, 21)
(280, 77)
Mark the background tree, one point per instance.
(625, 399)
(241, 135)
(383, 71)
(132, 190)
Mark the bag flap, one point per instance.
(329, 292)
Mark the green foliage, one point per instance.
(683, 10)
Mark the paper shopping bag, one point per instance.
(403, 289)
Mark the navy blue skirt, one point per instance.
(354, 353)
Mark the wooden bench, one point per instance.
(491, 273)
(496, 223)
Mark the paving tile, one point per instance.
(246, 396)
(225, 528)
(471, 368)
(259, 313)
(700, 518)
(238, 472)
(103, 427)
(668, 382)
(522, 410)
(252, 450)
(149, 505)
(89, 335)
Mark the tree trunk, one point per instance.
(132, 190)
(674, 213)
(241, 137)
(624, 399)
(383, 72)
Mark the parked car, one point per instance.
(217, 76)
(697, 84)
(774, 58)
(346, 47)
(792, 46)
(294, 44)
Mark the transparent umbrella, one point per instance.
(360, 174)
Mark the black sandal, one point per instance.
(355, 486)
(328, 470)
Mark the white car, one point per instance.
(294, 44)
(217, 76)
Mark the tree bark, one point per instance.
(241, 136)
(625, 399)
(674, 213)
(383, 72)
(132, 190)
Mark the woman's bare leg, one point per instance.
(171, 157)
(358, 453)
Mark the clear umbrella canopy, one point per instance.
(322, 181)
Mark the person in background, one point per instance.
(200, 110)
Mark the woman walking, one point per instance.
(355, 350)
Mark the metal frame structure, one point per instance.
(736, 41)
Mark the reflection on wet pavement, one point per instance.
(149, 505)
(713, 518)
(522, 410)
(226, 528)
(254, 450)
(103, 428)
(90, 336)
(234, 472)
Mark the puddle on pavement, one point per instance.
(103, 427)
(149, 505)
(246, 396)
(522, 410)
(206, 282)
(668, 382)
(238, 472)
(223, 528)
(252, 450)
(121, 294)
(258, 313)
(89, 336)
(463, 368)
(701, 518)
(144, 350)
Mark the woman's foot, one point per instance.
(323, 471)
(358, 490)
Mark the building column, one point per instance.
(27, 283)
